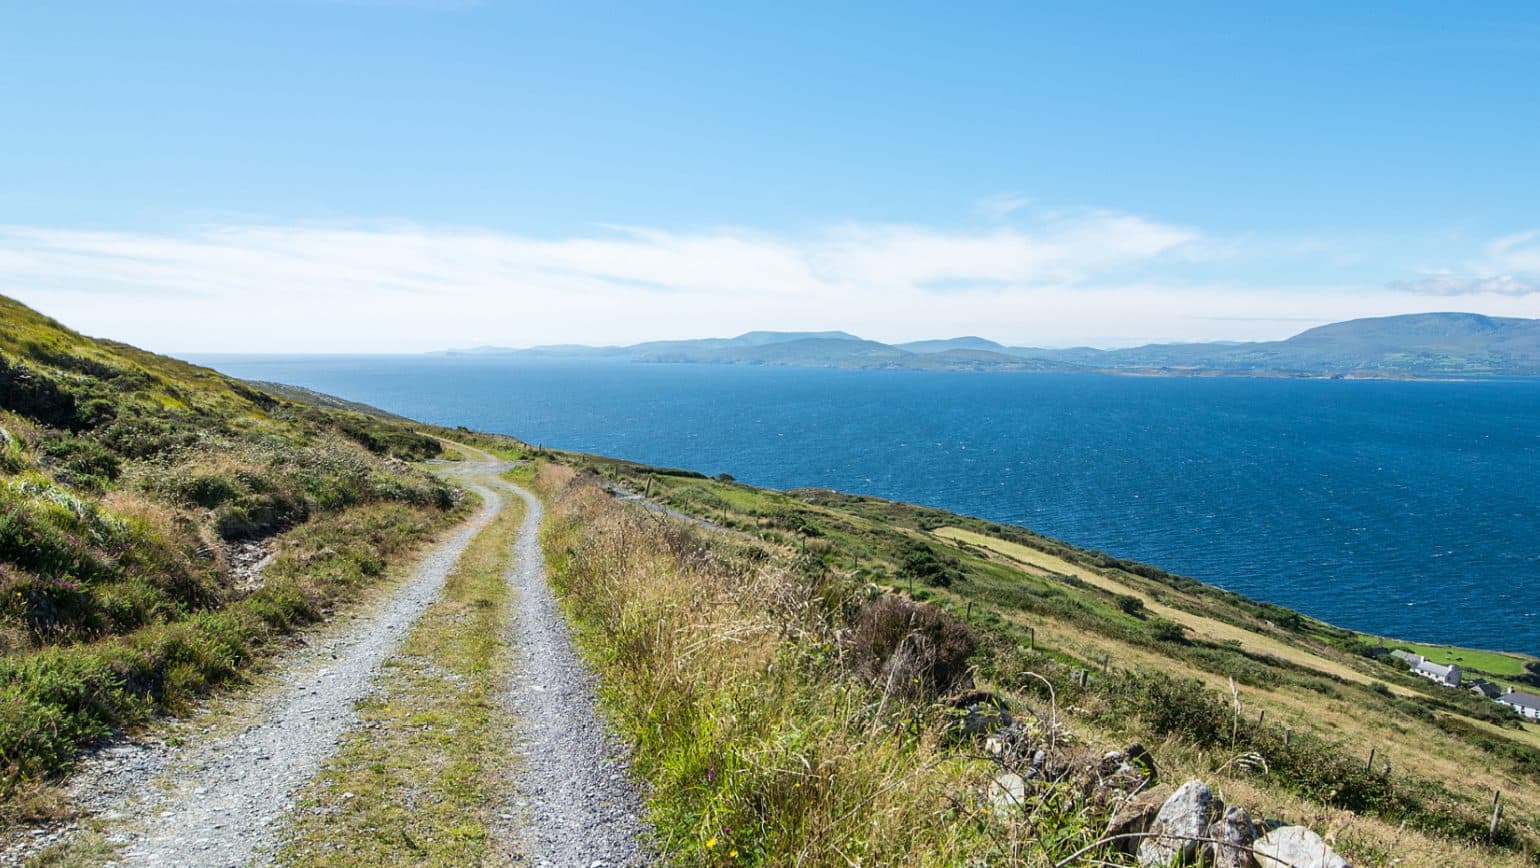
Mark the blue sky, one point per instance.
(309, 175)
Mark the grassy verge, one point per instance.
(417, 784)
(1192, 669)
(726, 668)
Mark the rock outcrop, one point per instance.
(1296, 847)
(1233, 837)
(1182, 821)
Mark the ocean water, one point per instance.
(1408, 509)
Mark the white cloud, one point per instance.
(1001, 205)
(1517, 252)
(1509, 266)
(1447, 284)
(1061, 278)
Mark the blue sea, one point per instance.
(1407, 509)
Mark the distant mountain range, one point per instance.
(1416, 345)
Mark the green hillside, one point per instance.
(1278, 710)
(137, 496)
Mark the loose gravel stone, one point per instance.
(583, 808)
(204, 799)
(215, 801)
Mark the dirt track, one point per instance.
(216, 800)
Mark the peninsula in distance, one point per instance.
(1429, 345)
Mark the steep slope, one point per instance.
(1277, 710)
(161, 523)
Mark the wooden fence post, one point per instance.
(1261, 716)
(1370, 766)
(1288, 735)
(969, 616)
(1497, 814)
(1031, 638)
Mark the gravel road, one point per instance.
(215, 801)
(203, 797)
(582, 807)
(223, 811)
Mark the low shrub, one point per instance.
(923, 563)
(82, 460)
(31, 393)
(909, 648)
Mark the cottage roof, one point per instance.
(1519, 699)
(1432, 668)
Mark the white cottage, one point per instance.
(1449, 676)
(1526, 704)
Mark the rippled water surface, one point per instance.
(1409, 509)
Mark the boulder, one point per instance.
(1296, 847)
(1180, 822)
(1133, 817)
(1008, 795)
(1237, 835)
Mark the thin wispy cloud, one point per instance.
(1457, 284)
(1042, 277)
(427, 260)
(1517, 252)
(1001, 205)
(1509, 266)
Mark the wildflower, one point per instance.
(711, 843)
(733, 855)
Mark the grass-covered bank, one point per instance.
(1271, 707)
(55, 700)
(163, 526)
(420, 781)
(776, 712)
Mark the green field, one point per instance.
(1494, 663)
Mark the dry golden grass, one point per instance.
(1209, 628)
(724, 670)
(1410, 745)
